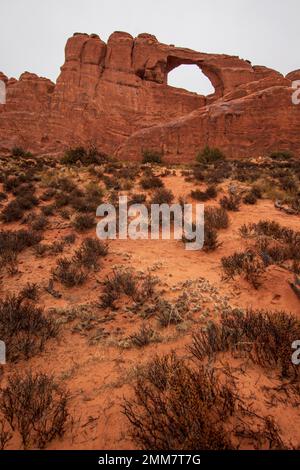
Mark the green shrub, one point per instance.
(210, 155)
(281, 155)
(152, 156)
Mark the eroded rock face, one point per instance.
(115, 96)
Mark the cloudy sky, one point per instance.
(33, 32)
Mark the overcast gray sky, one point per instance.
(267, 32)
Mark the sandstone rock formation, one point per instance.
(115, 96)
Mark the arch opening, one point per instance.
(191, 78)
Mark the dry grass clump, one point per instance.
(35, 406)
(30, 291)
(24, 327)
(265, 336)
(248, 263)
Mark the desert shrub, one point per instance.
(80, 155)
(5, 435)
(56, 247)
(20, 152)
(68, 273)
(209, 155)
(126, 282)
(83, 204)
(266, 336)
(220, 170)
(70, 238)
(273, 241)
(289, 183)
(249, 198)
(209, 193)
(151, 182)
(177, 407)
(83, 222)
(216, 217)
(295, 203)
(89, 252)
(144, 336)
(48, 210)
(138, 199)
(281, 155)
(129, 172)
(198, 173)
(231, 202)
(27, 200)
(35, 406)
(162, 196)
(3, 196)
(169, 314)
(30, 291)
(256, 191)
(48, 194)
(61, 200)
(247, 263)
(40, 223)
(23, 327)
(272, 229)
(64, 184)
(152, 156)
(121, 282)
(12, 212)
(211, 241)
(12, 243)
(111, 182)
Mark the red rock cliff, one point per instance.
(115, 96)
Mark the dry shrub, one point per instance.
(209, 193)
(13, 242)
(267, 337)
(216, 217)
(83, 222)
(145, 336)
(24, 327)
(171, 314)
(183, 407)
(247, 263)
(175, 407)
(68, 273)
(127, 282)
(30, 291)
(211, 242)
(89, 252)
(278, 242)
(5, 435)
(162, 196)
(151, 182)
(231, 202)
(36, 407)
